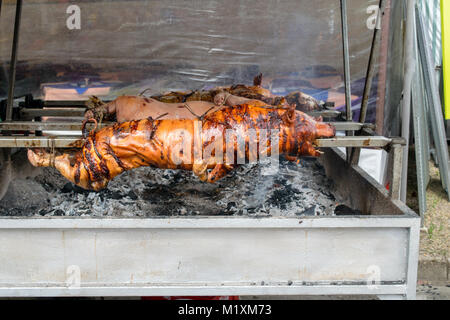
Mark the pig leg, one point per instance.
(227, 99)
(102, 111)
(219, 171)
(69, 165)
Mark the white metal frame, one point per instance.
(223, 224)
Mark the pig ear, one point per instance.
(319, 119)
(257, 80)
(283, 103)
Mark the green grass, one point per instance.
(435, 240)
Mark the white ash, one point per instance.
(296, 189)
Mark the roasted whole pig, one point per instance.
(128, 108)
(148, 142)
(173, 105)
(302, 101)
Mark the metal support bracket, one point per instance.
(395, 169)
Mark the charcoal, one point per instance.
(58, 212)
(291, 189)
(132, 195)
(343, 210)
(231, 204)
(310, 211)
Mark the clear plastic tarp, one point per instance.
(72, 49)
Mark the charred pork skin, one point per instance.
(302, 101)
(175, 144)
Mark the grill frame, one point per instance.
(112, 249)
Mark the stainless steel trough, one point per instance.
(371, 254)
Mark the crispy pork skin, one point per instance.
(199, 145)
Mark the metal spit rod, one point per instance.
(31, 113)
(75, 142)
(76, 126)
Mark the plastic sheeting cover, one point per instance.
(129, 46)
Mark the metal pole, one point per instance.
(383, 66)
(371, 65)
(13, 63)
(435, 107)
(348, 94)
(369, 77)
(348, 101)
(407, 83)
